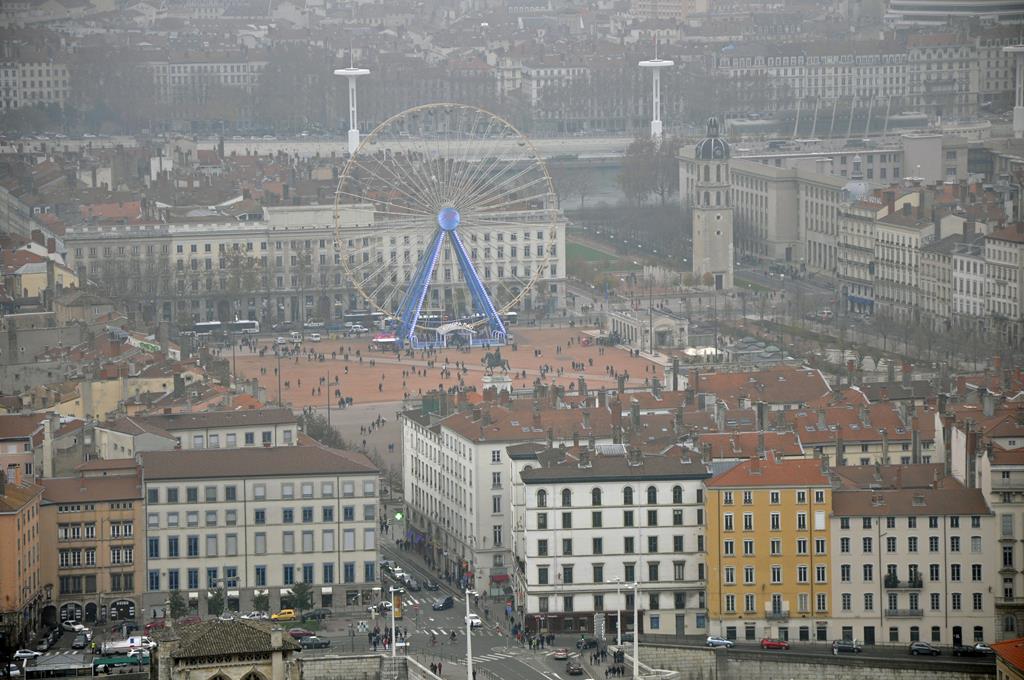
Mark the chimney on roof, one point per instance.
(755, 465)
(851, 366)
(634, 458)
(761, 413)
(915, 440)
(885, 446)
(823, 461)
(656, 388)
(907, 368)
(551, 437)
(840, 449)
(634, 414)
(760, 443)
(586, 419)
(675, 374)
(582, 388)
(821, 420)
(621, 381)
(575, 439)
(988, 402)
(705, 452)
(617, 433)
(678, 422)
(585, 459)
(890, 370)
(536, 414)
(602, 398)
(865, 416)
(592, 442)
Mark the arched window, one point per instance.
(677, 494)
(566, 498)
(707, 173)
(627, 496)
(253, 675)
(707, 198)
(595, 496)
(542, 499)
(652, 495)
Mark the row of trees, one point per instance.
(301, 599)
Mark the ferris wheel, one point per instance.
(445, 218)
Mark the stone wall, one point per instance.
(702, 663)
(350, 667)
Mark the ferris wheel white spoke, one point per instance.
(512, 200)
(508, 185)
(391, 207)
(401, 174)
(392, 185)
(494, 172)
(425, 175)
(474, 148)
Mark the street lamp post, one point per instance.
(393, 591)
(618, 612)
(636, 630)
(469, 638)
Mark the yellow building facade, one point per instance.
(769, 565)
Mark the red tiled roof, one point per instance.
(118, 487)
(506, 424)
(744, 444)
(1011, 652)
(778, 385)
(1013, 232)
(20, 426)
(774, 472)
(846, 422)
(122, 210)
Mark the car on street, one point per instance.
(283, 615)
(979, 649)
(846, 647)
(314, 337)
(474, 621)
(318, 614)
(431, 586)
(280, 341)
(380, 607)
(398, 573)
(920, 647)
(586, 643)
(443, 603)
(256, 616)
(560, 654)
(573, 667)
(299, 633)
(72, 626)
(43, 645)
(155, 624)
(413, 585)
(388, 565)
(357, 329)
(14, 670)
(80, 642)
(26, 654)
(772, 643)
(715, 641)
(314, 642)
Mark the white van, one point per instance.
(296, 336)
(314, 337)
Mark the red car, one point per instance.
(770, 643)
(299, 633)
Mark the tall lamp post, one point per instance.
(469, 637)
(636, 630)
(393, 591)
(618, 612)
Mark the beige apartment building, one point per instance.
(914, 557)
(256, 521)
(91, 544)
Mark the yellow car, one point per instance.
(283, 615)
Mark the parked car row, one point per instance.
(918, 648)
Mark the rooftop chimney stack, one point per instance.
(675, 374)
(907, 369)
(621, 381)
(586, 419)
(634, 414)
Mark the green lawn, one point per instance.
(578, 251)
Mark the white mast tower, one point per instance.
(656, 65)
(351, 72)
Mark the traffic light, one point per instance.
(399, 515)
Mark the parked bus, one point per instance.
(205, 329)
(510, 318)
(245, 326)
(364, 317)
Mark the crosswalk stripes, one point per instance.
(441, 632)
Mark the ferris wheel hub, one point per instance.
(448, 219)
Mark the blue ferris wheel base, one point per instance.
(489, 333)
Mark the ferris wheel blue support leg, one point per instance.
(481, 300)
(412, 302)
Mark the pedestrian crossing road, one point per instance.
(446, 632)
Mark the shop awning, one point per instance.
(326, 590)
(193, 596)
(499, 578)
(232, 593)
(860, 300)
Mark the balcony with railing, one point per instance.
(915, 582)
(904, 613)
(777, 615)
